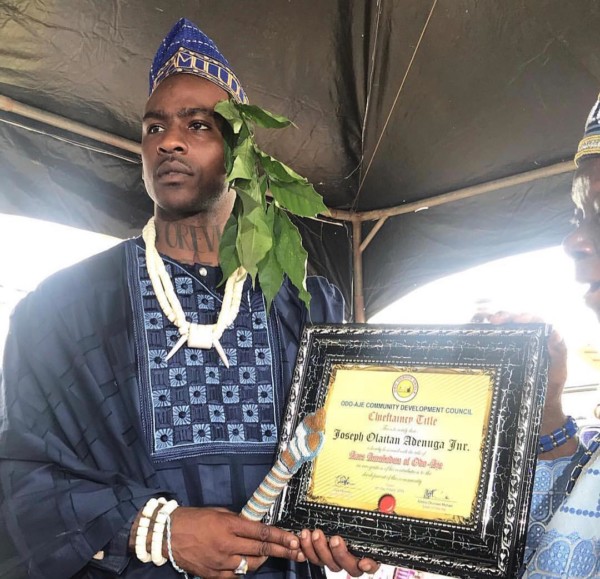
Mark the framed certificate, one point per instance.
(430, 442)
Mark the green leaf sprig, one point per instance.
(259, 235)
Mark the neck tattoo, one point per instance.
(203, 336)
(199, 244)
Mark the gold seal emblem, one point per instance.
(405, 388)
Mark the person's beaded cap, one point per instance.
(186, 49)
(590, 144)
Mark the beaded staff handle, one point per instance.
(304, 446)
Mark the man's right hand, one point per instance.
(210, 542)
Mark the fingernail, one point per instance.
(334, 541)
(294, 544)
(316, 535)
(366, 567)
(304, 535)
(301, 558)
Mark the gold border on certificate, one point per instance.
(404, 441)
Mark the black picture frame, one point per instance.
(490, 542)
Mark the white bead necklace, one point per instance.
(203, 336)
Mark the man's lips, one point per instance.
(173, 167)
(593, 287)
(587, 273)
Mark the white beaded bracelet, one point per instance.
(170, 550)
(158, 532)
(142, 530)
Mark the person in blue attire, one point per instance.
(564, 532)
(563, 538)
(129, 442)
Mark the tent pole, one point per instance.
(359, 301)
(372, 233)
(465, 193)
(13, 106)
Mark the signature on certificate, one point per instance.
(342, 480)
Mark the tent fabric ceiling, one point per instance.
(395, 101)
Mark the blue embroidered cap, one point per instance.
(590, 144)
(186, 49)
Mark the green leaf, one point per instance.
(252, 193)
(270, 273)
(298, 198)
(277, 170)
(250, 234)
(228, 256)
(291, 255)
(246, 133)
(270, 276)
(230, 112)
(262, 118)
(254, 239)
(244, 164)
(228, 148)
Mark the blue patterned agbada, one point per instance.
(563, 539)
(93, 425)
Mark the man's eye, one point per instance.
(152, 129)
(199, 126)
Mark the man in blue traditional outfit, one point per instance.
(563, 537)
(117, 407)
(564, 530)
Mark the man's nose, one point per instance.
(578, 244)
(172, 142)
